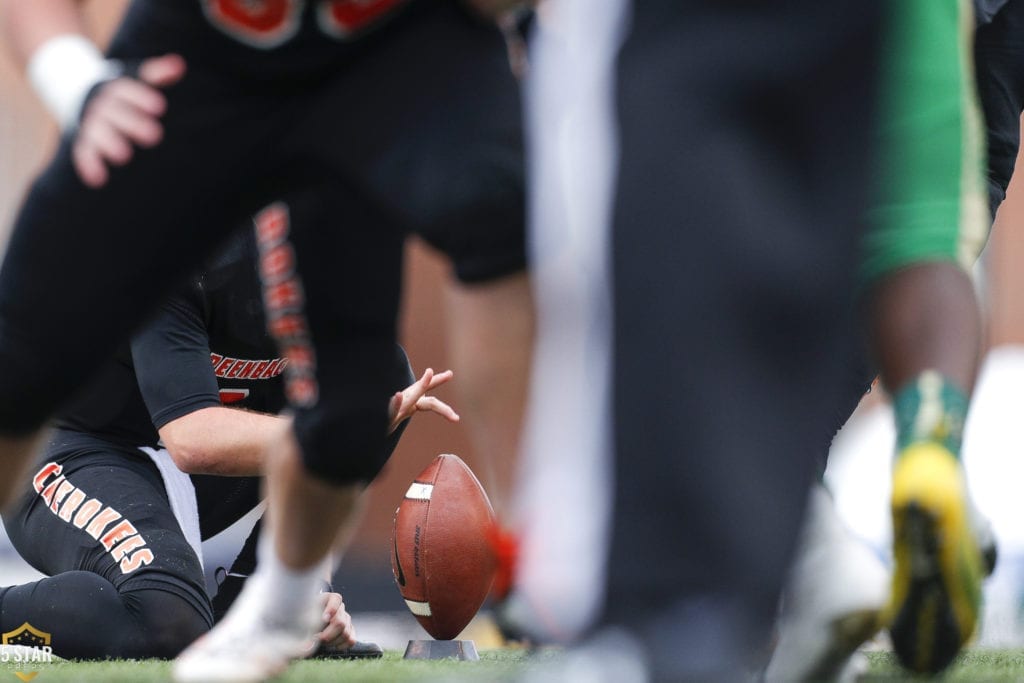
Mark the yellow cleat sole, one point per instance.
(936, 589)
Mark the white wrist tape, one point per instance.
(63, 70)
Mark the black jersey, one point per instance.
(217, 323)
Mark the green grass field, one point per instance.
(494, 665)
(974, 665)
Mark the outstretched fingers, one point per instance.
(436, 405)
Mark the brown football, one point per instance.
(442, 559)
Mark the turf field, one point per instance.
(494, 665)
(974, 665)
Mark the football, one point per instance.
(442, 560)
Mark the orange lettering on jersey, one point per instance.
(302, 391)
(122, 530)
(47, 493)
(259, 23)
(101, 521)
(260, 17)
(63, 490)
(87, 512)
(344, 18)
(71, 504)
(215, 359)
(126, 546)
(301, 357)
(64, 498)
(137, 559)
(47, 469)
(289, 325)
(272, 224)
(284, 295)
(277, 263)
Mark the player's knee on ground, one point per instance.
(80, 610)
(88, 619)
(166, 623)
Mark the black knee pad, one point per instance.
(341, 436)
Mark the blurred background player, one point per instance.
(696, 211)
(281, 96)
(924, 324)
(928, 229)
(915, 351)
(112, 515)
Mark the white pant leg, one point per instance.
(565, 486)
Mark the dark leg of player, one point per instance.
(337, 326)
(460, 94)
(88, 618)
(316, 514)
(310, 513)
(926, 329)
(909, 338)
(342, 330)
(729, 310)
(345, 322)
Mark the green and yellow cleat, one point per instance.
(936, 585)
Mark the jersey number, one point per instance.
(269, 23)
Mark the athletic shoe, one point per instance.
(936, 585)
(837, 590)
(250, 644)
(359, 650)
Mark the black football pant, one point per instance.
(123, 580)
(742, 180)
